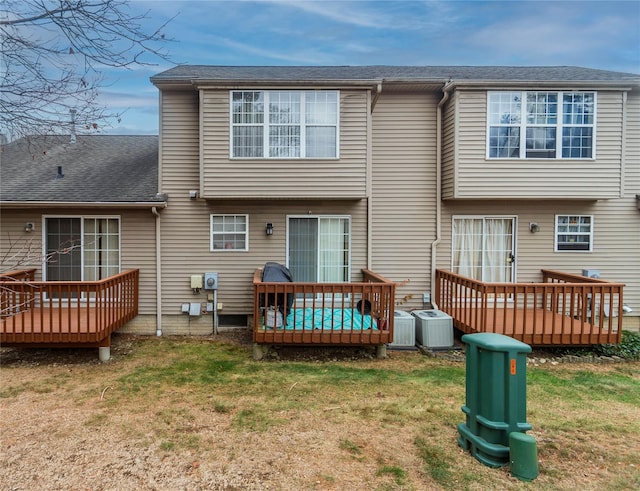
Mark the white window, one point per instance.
(229, 232)
(319, 248)
(284, 124)
(574, 233)
(541, 125)
(81, 248)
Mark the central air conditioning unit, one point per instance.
(404, 331)
(434, 329)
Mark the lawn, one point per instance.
(199, 413)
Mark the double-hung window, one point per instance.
(574, 233)
(229, 232)
(284, 124)
(541, 125)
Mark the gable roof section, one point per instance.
(203, 74)
(97, 169)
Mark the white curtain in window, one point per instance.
(467, 247)
(498, 240)
(321, 141)
(481, 248)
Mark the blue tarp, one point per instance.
(327, 319)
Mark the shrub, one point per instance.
(629, 347)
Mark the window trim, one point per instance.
(557, 233)
(246, 232)
(303, 124)
(559, 125)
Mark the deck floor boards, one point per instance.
(535, 327)
(53, 325)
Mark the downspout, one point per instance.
(623, 153)
(369, 184)
(155, 212)
(434, 244)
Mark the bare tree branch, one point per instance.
(53, 57)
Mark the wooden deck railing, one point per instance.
(564, 309)
(10, 300)
(65, 312)
(374, 296)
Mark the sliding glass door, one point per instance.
(319, 248)
(484, 248)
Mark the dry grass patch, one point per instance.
(188, 414)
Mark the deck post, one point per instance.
(381, 351)
(259, 351)
(104, 353)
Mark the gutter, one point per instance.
(434, 245)
(76, 204)
(235, 84)
(549, 84)
(376, 96)
(156, 214)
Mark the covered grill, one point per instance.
(277, 273)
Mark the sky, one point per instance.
(595, 34)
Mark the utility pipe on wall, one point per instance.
(434, 245)
(155, 212)
(369, 185)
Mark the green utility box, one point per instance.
(496, 399)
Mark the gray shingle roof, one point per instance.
(97, 168)
(408, 74)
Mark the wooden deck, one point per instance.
(56, 326)
(65, 314)
(562, 310)
(539, 328)
(377, 292)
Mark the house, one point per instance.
(88, 204)
(491, 172)
(494, 173)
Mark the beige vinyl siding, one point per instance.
(179, 142)
(137, 244)
(449, 128)
(403, 191)
(475, 176)
(19, 249)
(184, 233)
(186, 222)
(138, 251)
(226, 178)
(188, 250)
(615, 249)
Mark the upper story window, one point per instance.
(229, 232)
(541, 125)
(574, 233)
(284, 124)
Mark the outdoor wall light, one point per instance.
(269, 229)
(28, 227)
(534, 228)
